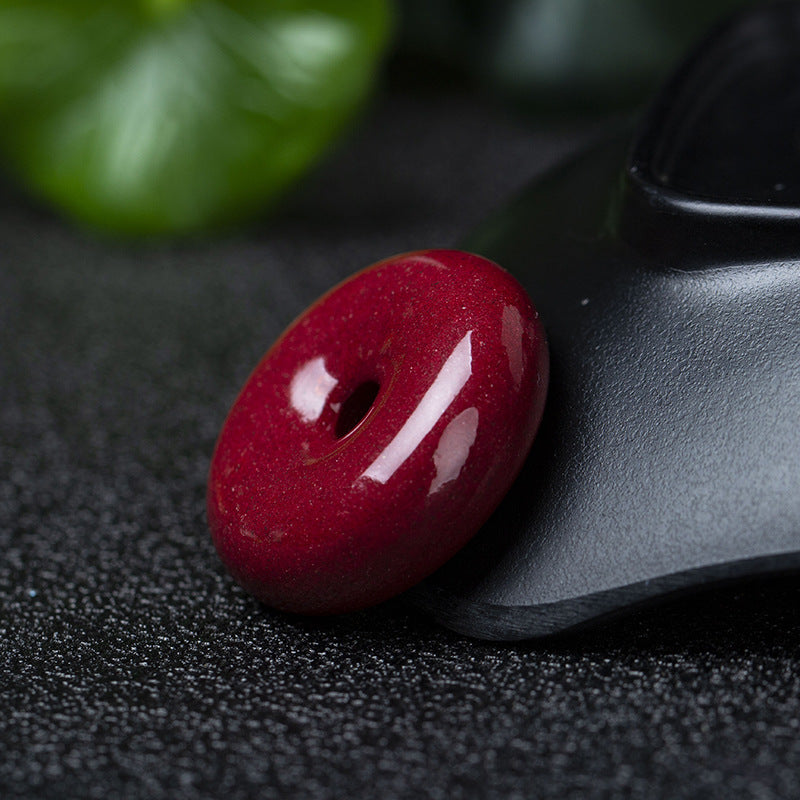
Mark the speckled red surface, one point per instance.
(315, 519)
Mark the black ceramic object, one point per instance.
(667, 271)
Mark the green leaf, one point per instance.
(162, 116)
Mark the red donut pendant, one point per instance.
(379, 433)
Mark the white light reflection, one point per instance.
(310, 388)
(448, 383)
(512, 335)
(453, 449)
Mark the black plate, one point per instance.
(667, 271)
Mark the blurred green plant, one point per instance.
(562, 55)
(169, 116)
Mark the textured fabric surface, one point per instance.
(131, 665)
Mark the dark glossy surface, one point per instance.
(669, 454)
(379, 433)
(730, 131)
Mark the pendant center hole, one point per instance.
(355, 408)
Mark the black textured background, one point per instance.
(130, 664)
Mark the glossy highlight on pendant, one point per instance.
(379, 433)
